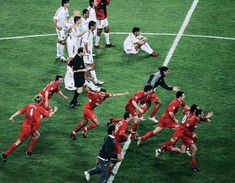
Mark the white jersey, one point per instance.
(130, 40)
(92, 14)
(69, 22)
(61, 16)
(84, 24)
(73, 35)
(88, 38)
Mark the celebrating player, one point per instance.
(33, 115)
(96, 98)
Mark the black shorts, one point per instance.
(79, 79)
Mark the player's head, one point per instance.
(38, 98)
(81, 51)
(111, 130)
(193, 108)
(164, 70)
(126, 115)
(59, 79)
(65, 3)
(136, 31)
(76, 13)
(85, 13)
(103, 92)
(199, 112)
(77, 19)
(148, 88)
(180, 95)
(92, 25)
(91, 3)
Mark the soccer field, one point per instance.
(202, 65)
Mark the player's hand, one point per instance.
(209, 115)
(66, 98)
(59, 28)
(141, 110)
(55, 109)
(126, 93)
(176, 88)
(10, 119)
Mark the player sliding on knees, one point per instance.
(96, 98)
(33, 115)
(186, 132)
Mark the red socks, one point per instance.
(12, 148)
(134, 127)
(193, 163)
(78, 127)
(154, 111)
(92, 125)
(147, 135)
(31, 145)
(144, 108)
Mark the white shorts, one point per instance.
(61, 34)
(88, 59)
(131, 50)
(72, 49)
(68, 79)
(92, 86)
(102, 23)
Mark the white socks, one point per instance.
(146, 48)
(106, 35)
(97, 40)
(93, 73)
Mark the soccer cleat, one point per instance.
(153, 119)
(157, 153)
(154, 54)
(84, 132)
(138, 141)
(63, 59)
(195, 169)
(29, 154)
(98, 46)
(73, 136)
(73, 106)
(4, 157)
(109, 122)
(98, 82)
(87, 175)
(109, 45)
(57, 58)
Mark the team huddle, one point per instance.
(81, 34)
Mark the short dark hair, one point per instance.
(64, 2)
(135, 29)
(163, 69)
(111, 129)
(198, 112)
(147, 88)
(91, 2)
(126, 115)
(103, 90)
(91, 23)
(193, 108)
(76, 18)
(58, 77)
(80, 50)
(38, 98)
(84, 11)
(179, 94)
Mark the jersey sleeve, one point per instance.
(23, 110)
(44, 112)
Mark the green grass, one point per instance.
(203, 68)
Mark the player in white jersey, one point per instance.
(85, 21)
(135, 41)
(70, 21)
(87, 41)
(92, 13)
(59, 20)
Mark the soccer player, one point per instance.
(135, 41)
(70, 21)
(132, 107)
(186, 132)
(96, 98)
(88, 45)
(33, 115)
(102, 23)
(49, 90)
(92, 13)
(155, 80)
(168, 118)
(60, 20)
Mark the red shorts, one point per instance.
(167, 122)
(121, 139)
(178, 135)
(131, 109)
(26, 131)
(88, 114)
(187, 141)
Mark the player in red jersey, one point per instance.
(33, 115)
(168, 118)
(96, 98)
(186, 132)
(49, 91)
(102, 22)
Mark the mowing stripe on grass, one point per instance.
(126, 33)
(166, 62)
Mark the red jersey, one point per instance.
(174, 107)
(95, 99)
(121, 128)
(138, 96)
(101, 9)
(51, 88)
(151, 97)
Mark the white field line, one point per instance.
(167, 60)
(126, 33)
(180, 33)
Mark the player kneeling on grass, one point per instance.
(96, 98)
(186, 132)
(135, 41)
(33, 115)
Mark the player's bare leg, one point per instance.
(134, 128)
(194, 162)
(12, 148)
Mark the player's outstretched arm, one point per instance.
(62, 95)
(53, 112)
(14, 115)
(118, 94)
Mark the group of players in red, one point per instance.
(136, 106)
